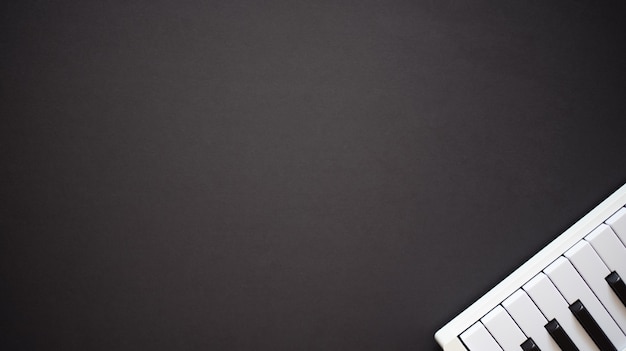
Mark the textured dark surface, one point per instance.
(250, 175)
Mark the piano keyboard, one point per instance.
(570, 296)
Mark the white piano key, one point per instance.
(573, 287)
(618, 223)
(477, 338)
(609, 247)
(529, 319)
(552, 304)
(503, 329)
(593, 271)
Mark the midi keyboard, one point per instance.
(570, 296)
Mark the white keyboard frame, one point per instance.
(448, 336)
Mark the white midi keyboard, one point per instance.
(570, 296)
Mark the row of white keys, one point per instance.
(618, 223)
(500, 328)
(591, 268)
(577, 276)
(567, 280)
(530, 320)
(553, 306)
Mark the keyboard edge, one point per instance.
(447, 336)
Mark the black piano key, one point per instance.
(618, 286)
(529, 345)
(560, 336)
(591, 326)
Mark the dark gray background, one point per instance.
(251, 175)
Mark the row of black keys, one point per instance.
(585, 319)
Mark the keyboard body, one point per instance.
(556, 295)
